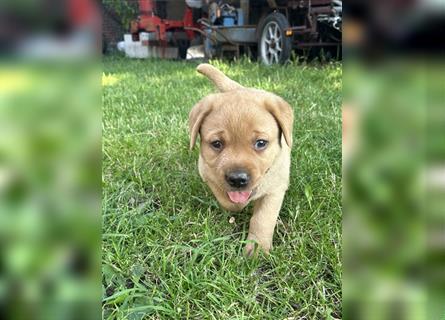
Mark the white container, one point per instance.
(128, 38)
(141, 50)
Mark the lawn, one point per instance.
(169, 251)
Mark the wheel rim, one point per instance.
(271, 43)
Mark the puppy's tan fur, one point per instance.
(238, 117)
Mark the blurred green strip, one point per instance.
(391, 268)
(50, 139)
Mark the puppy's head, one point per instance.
(241, 132)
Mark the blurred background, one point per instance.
(50, 152)
(393, 160)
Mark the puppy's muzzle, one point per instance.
(238, 178)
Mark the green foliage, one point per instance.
(126, 10)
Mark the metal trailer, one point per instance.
(271, 29)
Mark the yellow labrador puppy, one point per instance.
(246, 139)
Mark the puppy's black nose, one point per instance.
(238, 178)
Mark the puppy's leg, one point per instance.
(263, 221)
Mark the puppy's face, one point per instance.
(240, 138)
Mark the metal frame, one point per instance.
(303, 35)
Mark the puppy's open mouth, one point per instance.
(239, 196)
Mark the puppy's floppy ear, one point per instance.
(283, 114)
(196, 116)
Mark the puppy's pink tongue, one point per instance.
(239, 196)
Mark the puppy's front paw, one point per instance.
(255, 244)
(250, 249)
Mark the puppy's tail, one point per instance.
(221, 81)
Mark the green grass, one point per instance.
(169, 251)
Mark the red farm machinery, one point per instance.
(267, 29)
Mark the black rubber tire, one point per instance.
(183, 45)
(281, 22)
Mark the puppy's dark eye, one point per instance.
(217, 145)
(260, 144)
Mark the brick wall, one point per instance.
(112, 30)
